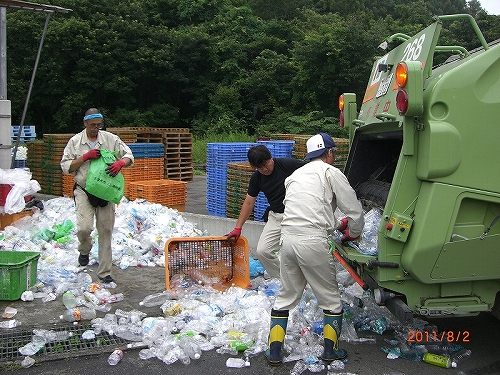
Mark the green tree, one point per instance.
(212, 65)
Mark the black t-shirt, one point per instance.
(273, 186)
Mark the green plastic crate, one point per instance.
(18, 271)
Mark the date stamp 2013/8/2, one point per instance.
(444, 336)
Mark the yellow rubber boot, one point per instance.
(332, 326)
(277, 331)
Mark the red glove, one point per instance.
(115, 168)
(234, 234)
(343, 224)
(92, 154)
(347, 236)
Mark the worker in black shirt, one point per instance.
(269, 177)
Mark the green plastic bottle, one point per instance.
(438, 360)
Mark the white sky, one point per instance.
(491, 6)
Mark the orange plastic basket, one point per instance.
(208, 260)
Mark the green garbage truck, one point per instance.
(424, 148)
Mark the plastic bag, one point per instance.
(102, 185)
(21, 185)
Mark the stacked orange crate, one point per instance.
(168, 193)
(68, 184)
(143, 169)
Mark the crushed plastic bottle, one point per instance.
(49, 297)
(11, 323)
(157, 299)
(147, 353)
(237, 362)
(27, 296)
(51, 335)
(315, 367)
(27, 362)
(171, 308)
(113, 298)
(378, 326)
(115, 357)
(308, 336)
(336, 365)
(91, 297)
(88, 335)
(78, 313)
(460, 357)
(189, 347)
(32, 347)
(298, 368)
(111, 285)
(183, 357)
(36, 287)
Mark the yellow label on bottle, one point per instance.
(437, 360)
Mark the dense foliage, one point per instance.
(215, 66)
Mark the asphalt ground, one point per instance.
(135, 283)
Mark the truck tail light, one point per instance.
(409, 78)
(402, 102)
(401, 74)
(341, 107)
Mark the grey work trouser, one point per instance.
(307, 258)
(268, 246)
(105, 221)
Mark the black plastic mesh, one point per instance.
(13, 339)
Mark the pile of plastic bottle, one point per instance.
(141, 230)
(192, 317)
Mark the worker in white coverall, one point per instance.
(82, 148)
(313, 192)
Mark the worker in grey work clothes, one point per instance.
(269, 177)
(313, 192)
(80, 150)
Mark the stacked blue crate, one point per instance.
(260, 207)
(20, 164)
(28, 133)
(218, 156)
(279, 149)
(147, 150)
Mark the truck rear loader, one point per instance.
(424, 149)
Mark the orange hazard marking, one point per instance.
(370, 92)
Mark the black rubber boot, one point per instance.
(332, 326)
(274, 352)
